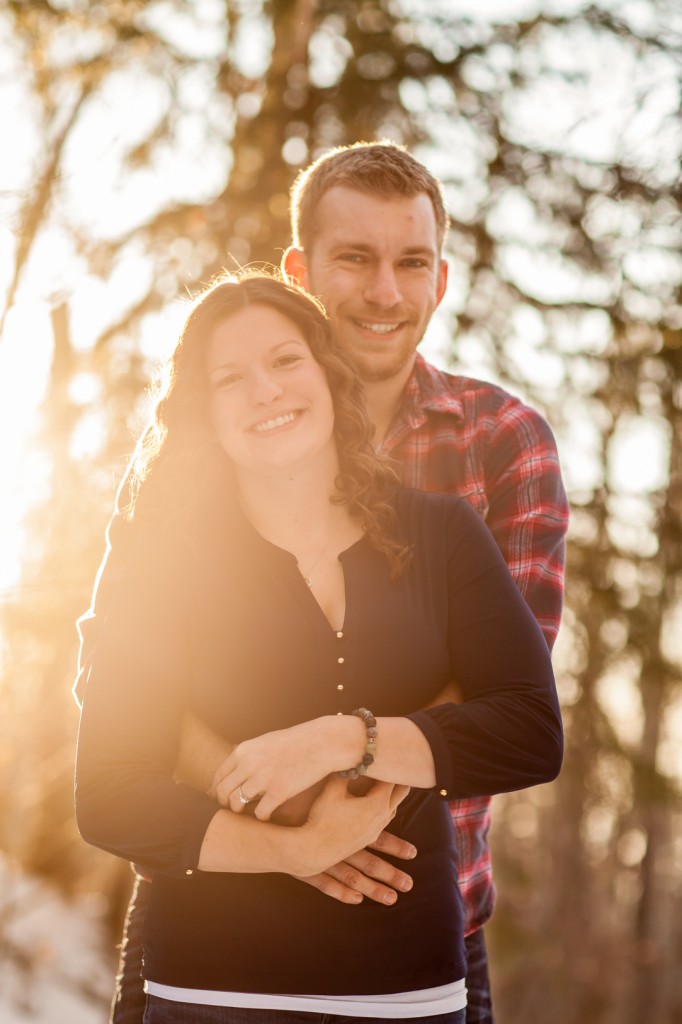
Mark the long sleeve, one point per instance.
(507, 733)
(118, 540)
(528, 510)
(126, 799)
(469, 438)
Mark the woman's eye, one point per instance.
(288, 360)
(228, 381)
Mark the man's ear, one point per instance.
(295, 267)
(442, 282)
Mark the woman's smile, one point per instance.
(283, 420)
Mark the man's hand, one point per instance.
(364, 874)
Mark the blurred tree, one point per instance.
(171, 134)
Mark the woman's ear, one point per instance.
(295, 267)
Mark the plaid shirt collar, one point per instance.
(423, 394)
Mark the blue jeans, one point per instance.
(164, 1011)
(479, 1002)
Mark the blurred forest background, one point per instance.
(148, 144)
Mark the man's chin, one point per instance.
(375, 370)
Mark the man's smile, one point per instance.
(378, 328)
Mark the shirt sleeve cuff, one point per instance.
(439, 750)
(202, 815)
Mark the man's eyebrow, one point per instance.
(418, 250)
(409, 250)
(351, 243)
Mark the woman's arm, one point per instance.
(127, 800)
(272, 768)
(506, 734)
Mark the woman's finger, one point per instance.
(239, 799)
(222, 774)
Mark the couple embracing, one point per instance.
(320, 638)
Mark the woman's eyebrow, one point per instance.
(230, 364)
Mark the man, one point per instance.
(368, 226)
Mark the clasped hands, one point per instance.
(281, 775)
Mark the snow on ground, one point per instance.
(55, 959)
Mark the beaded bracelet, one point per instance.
(371, 748)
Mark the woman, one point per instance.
(279, 584)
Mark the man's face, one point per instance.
(375, 264)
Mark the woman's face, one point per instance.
(270, 403)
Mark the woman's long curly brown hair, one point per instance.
(179, 466)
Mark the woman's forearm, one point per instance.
(269, 769)
(403, 754)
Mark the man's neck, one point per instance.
(383, 399)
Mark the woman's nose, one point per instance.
(264, 388)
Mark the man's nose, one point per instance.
(382, 288)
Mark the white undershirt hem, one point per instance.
(425, 1002)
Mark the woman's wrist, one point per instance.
(367, 758)
(345, 741)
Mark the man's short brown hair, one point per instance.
(380, 168)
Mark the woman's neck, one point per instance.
(289, 509)
(297, 513)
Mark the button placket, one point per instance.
(340, 662)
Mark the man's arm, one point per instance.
(528, 510)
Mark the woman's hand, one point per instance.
(339, 824)
(271, 769)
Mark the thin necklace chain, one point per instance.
(307, 576)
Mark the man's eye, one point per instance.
(415, 262)
(352, 257)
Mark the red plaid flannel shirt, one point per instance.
(465, 437)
